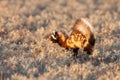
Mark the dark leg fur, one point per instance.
(89, 51)
(92, 42)
(75, 52)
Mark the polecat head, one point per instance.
(54, 36)
(58, 36)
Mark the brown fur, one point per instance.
(81, 37)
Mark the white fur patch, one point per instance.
(90, 26)
(53, 37)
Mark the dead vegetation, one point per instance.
(27, 54)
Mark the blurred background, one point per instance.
(27, 54)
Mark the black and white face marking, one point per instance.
(54, 35)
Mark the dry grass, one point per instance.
(27, 54)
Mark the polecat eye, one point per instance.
(55, 32)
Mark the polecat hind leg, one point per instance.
(89, 51)
(75, 52)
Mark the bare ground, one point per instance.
(27, 54)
